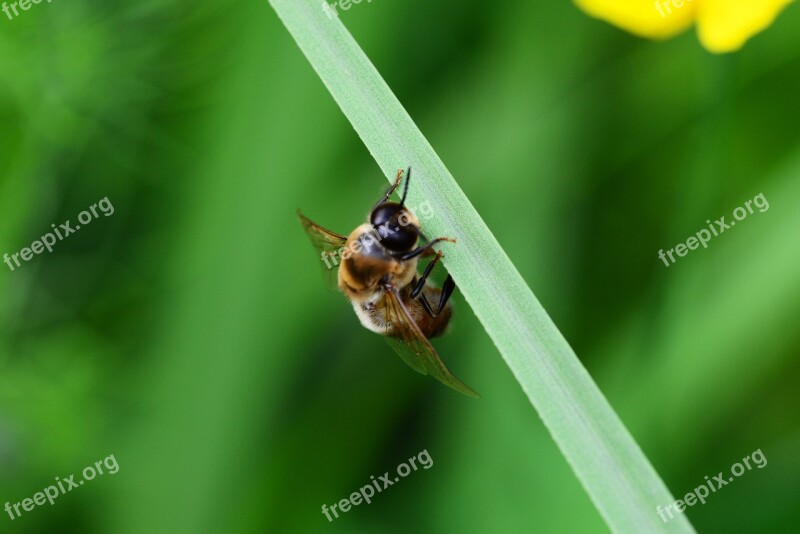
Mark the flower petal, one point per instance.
(657, 19)
(725, 25)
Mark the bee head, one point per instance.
(396, 227)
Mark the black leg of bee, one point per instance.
(425, 275)
(448, 289)
(391, 190)
(427, 306)
(447, 292)
(421, 250)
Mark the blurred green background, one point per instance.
(189, 334)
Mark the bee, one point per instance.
(377, 272)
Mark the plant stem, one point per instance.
(612, 468)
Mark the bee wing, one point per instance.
(414, 348)
(324, 241)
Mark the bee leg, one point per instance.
(447, 292)
(425, 275)
(391, 190)
(448, 289)
(405, 256)
(427, 306)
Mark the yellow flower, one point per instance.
(722, 25)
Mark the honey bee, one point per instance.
(378, 274)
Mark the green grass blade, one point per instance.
(608, 462)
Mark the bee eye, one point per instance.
(383, 213)
(401, 240)
(393, 225)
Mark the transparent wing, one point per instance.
(414, 348)
(327, 244)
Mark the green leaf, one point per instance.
(612, 468)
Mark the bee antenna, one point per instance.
(405, 187)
